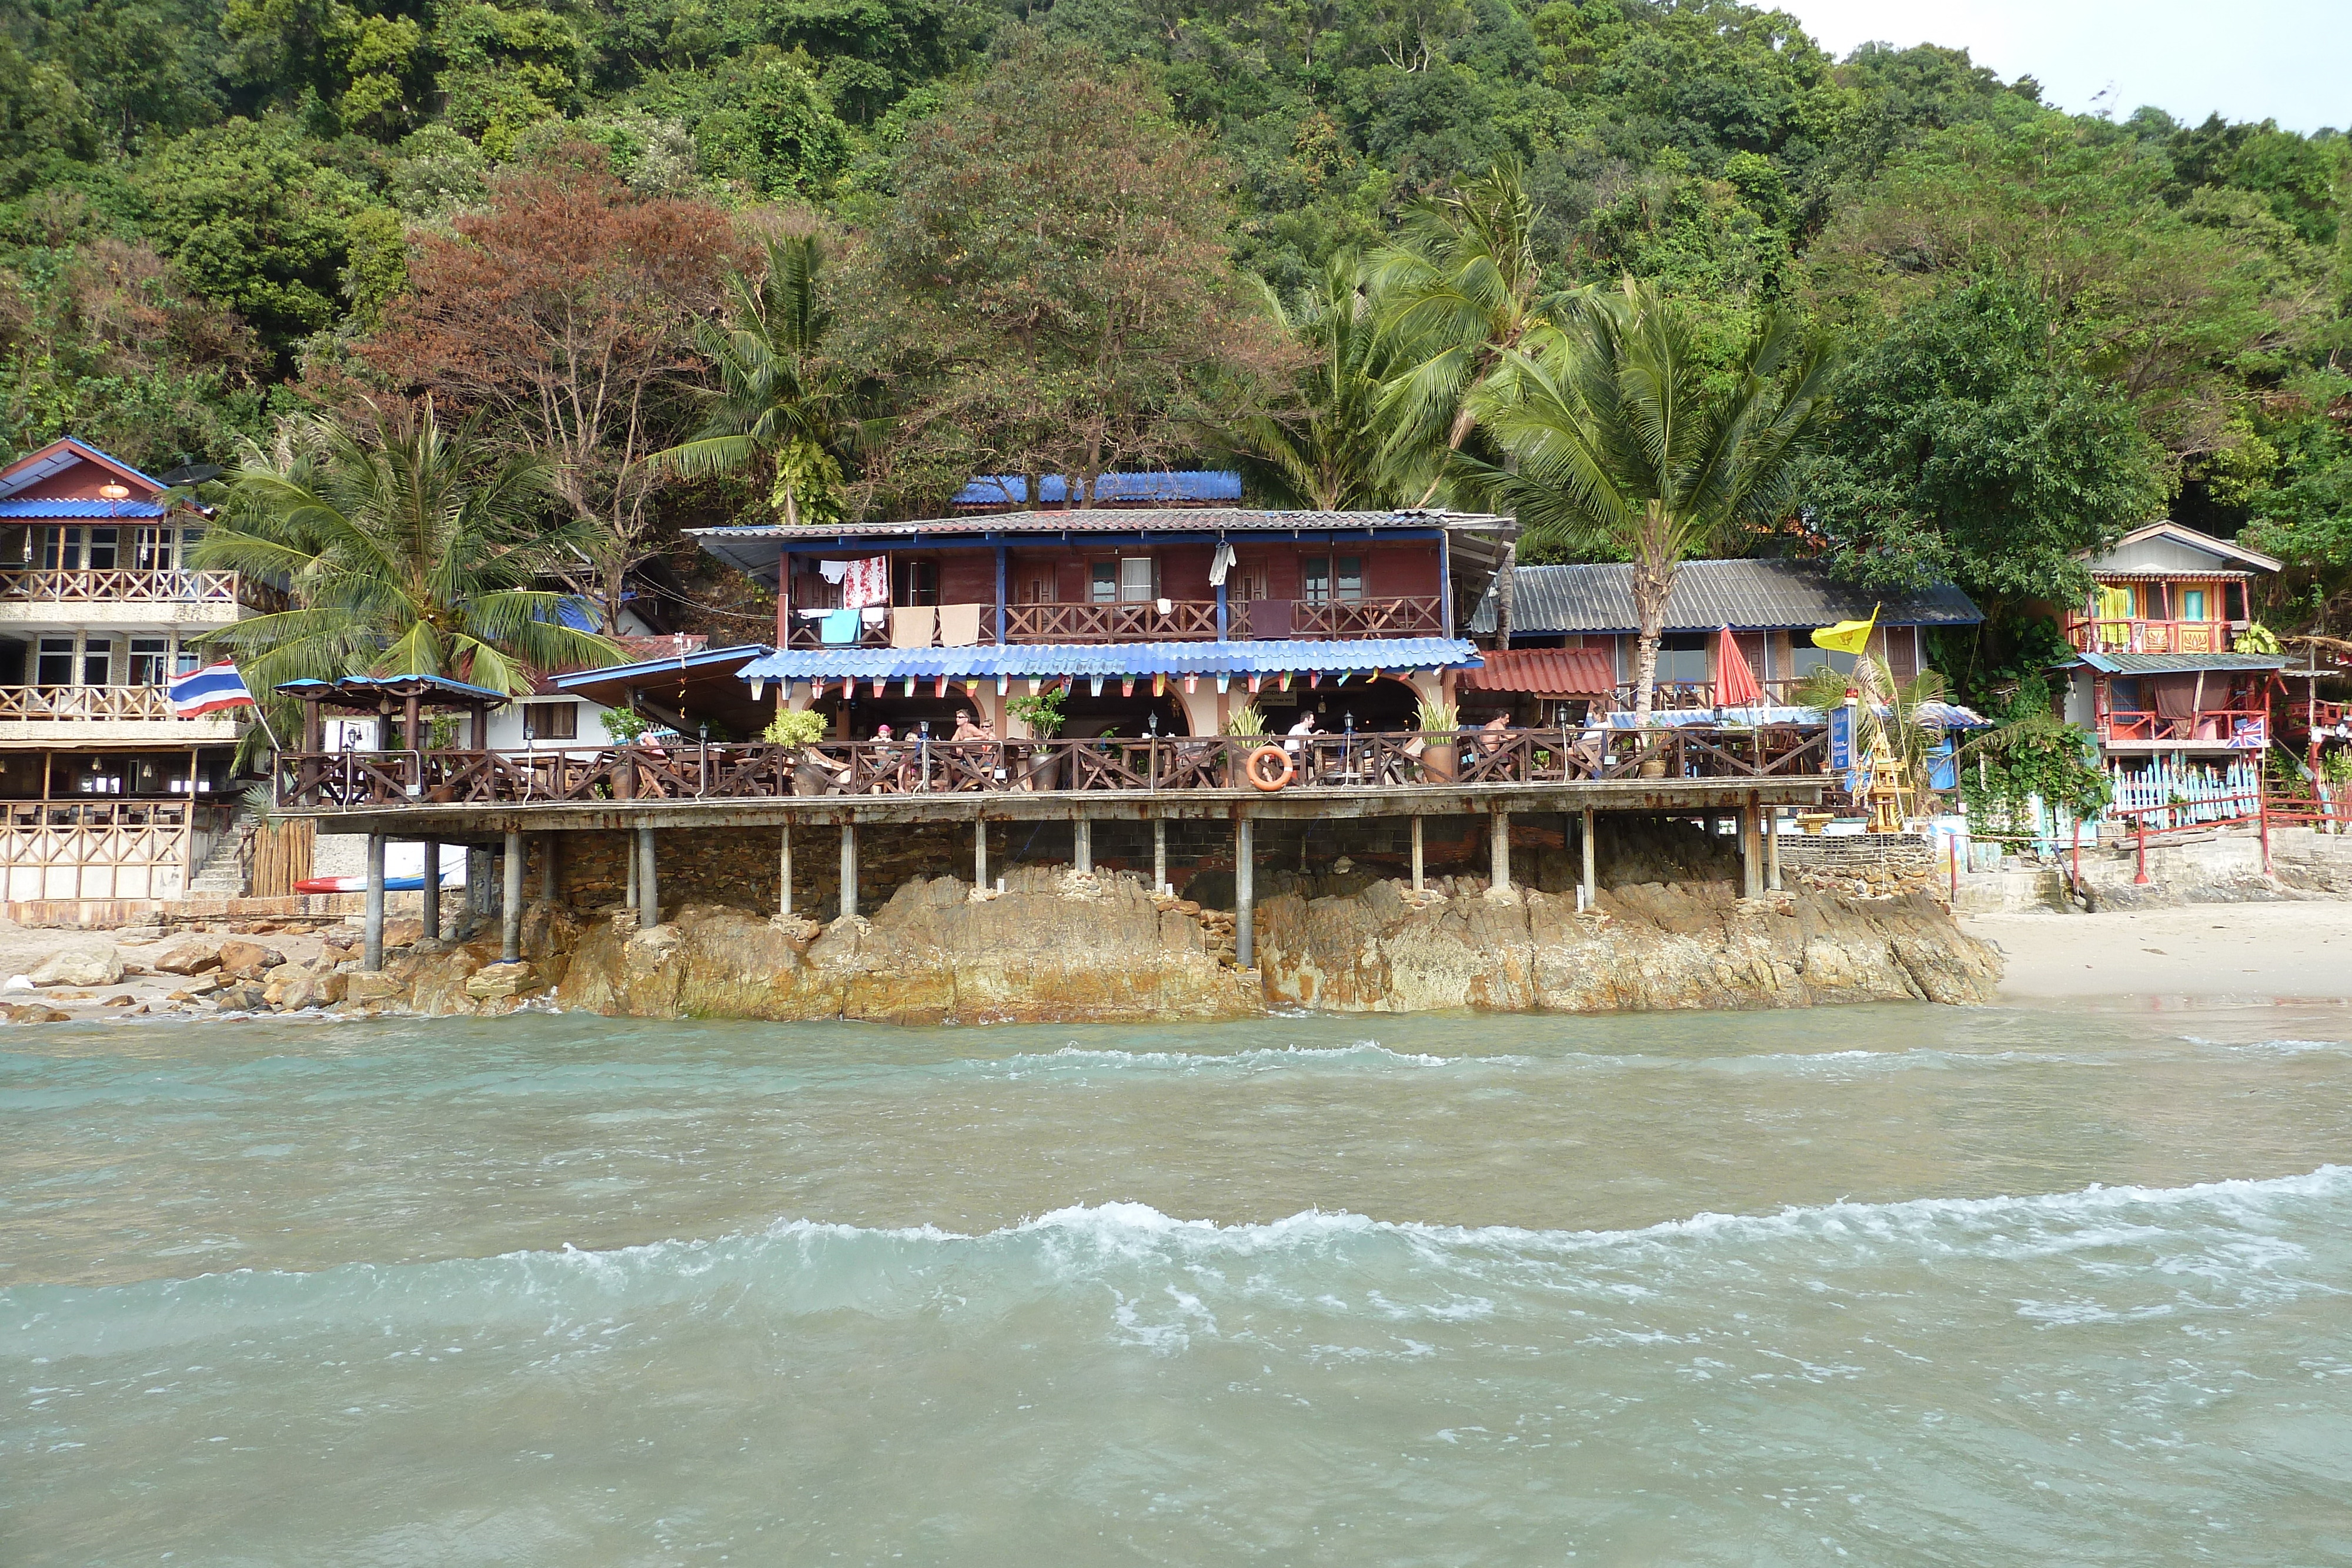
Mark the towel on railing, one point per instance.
(913, 625)
(960, 625)
(840, 626)
(1269, 618)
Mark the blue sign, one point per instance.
(1841, 739)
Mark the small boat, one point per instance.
(359, 884)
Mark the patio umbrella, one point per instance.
(1734, 683)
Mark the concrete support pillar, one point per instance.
(1772, 850)
(1590, 889)
(1416, 854)
(478, 888)
(1751, 853)
(1082, 845)
(1160, 854)
(1498, 849)
(1244, 894)
(510, 912)
(784, 867)
(372, 943)
(629, 872)
(431, 908)
(648, 882)
(980, 852)
(848, 868)
(550, 846)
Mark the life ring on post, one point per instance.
(1270, 769)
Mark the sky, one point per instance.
(2288, 60)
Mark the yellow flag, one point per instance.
(1847, 636)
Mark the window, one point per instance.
(1681, 656)
(97, 662)
(2192, 604)
(150, 661)
(1126, 581)
(186, 662)
(55, 666)
(79, 549)
(15, 546)
(914, 583)
(550, 721)
(1328, 577)
(151, 548)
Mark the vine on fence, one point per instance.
(2030, 753)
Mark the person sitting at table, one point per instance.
(968, 728)
(1490, 734)
(1299, 732)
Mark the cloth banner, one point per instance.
(866, 582)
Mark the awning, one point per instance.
(680, 690)
(1546, 673)
(369, 693)
(1023, 660)
(2173, 664)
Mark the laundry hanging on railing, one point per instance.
(866, 582)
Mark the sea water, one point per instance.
(1875, 1285)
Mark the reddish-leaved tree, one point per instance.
(565, 309)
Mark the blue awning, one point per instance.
(1021, 660)
(77, 509)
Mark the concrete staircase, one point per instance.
(223, 873)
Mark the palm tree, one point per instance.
(1459, 294)
(1623, 442)
(780, 402)
(1329, 452)
(406, 548)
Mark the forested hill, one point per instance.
(2055, 325)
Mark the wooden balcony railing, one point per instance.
(1404, 761)
(2247, 727)
(1185, 620)
(127, 585)
(2090, 635)
(84, 702)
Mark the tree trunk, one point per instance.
(1653, 581)
(1506, 583)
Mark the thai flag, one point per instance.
(209, 690)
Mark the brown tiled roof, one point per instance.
(1546, 672)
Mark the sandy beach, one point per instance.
(2301, 950)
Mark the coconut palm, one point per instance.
(1624, 443)
(1329, 451)
(1459, 293)
(781, 404)
(406, 547)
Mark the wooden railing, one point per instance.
(68, 850)
(2246, 727)
(1399, 760)
(128, 585)
(1416, 615)
(2100, 634)
(1185, 620)
(84, 702)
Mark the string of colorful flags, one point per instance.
(847, 686)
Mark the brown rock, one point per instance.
(499, 980)
(34, 1012)
(88, 963)
(402, 930)
(248, 960)
(122, 1001)
(370, 985)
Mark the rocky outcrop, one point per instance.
(1647, 948)
(1054, 945)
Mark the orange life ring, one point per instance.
(1265, 778)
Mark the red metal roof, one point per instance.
(1546, 672)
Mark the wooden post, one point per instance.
(848, 868)
(1590, 889)
(372, 943)
(999, 617)
(980, 853)
(510, 923)
(1244, 894)
(1082, 845)
(431, 909)
(1416, 856)
(1498, 849)
(648, 882)
(783, 601)
(1751, 853)
(188, 839)
(1160, 854)
(784, 868)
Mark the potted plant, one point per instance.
(1440, 757)
(795, 730)
(1042, 713)
(622, 726)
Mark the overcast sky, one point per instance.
(2288, 60)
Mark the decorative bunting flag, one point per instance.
(1254, 685)
(1126, 687)
(1286, 680)
(1224, 684)
(1314, 679)
(1004, 684)
(1192, 685)
(941, 688)
(1159, 685)
(1032, 686)
(1343, 677)
(1093, 686)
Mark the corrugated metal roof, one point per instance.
(1546, 673)
(1021, 660)
(1746, 595)
(2172, 663)
(126, 510)
(1179, 485)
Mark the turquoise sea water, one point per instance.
(1885, 1285)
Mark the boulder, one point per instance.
(402, 930)
(370, 985)
(34, 1012)
(247, 960)
(84, 964)
(499, 980)
(193, 957)
(297, 991)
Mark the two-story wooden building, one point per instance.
(2156, 675)
(1166, 620)
(107, 795)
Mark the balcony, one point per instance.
(84, 702)
(2102, 635)
(127, 585)
(2231, 728)
(1186, 621)
(64, 715)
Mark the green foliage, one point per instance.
(623, 725)
(1247, 719)
(1041, 712)
(2029, 753)
(794, 727)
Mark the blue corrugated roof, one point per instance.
(71, 508)
(443, 684)
(1296, 656)
(1180, 484)
(2173, 664)
(671, 664)
(61, 454)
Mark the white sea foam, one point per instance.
(1362, 1053)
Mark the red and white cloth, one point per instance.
(866, 582)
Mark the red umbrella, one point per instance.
(1734, 683)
